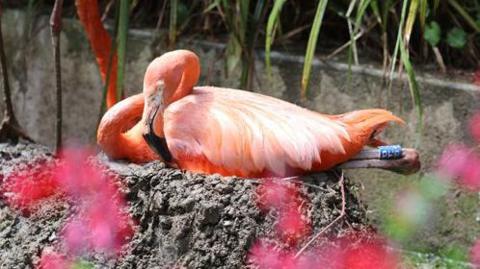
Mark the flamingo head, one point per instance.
(171, 76)
(168, 78)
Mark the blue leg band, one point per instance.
(390, 152)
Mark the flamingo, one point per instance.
(228, 131)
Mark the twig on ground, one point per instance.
(56, 28)
(10, 130)
(324, 229)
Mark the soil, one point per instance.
(184, 219)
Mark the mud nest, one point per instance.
(184, 219)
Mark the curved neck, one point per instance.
(114, 133)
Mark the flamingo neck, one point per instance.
(120, 131)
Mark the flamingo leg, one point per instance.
(407, 163)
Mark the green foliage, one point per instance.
(464, 14)
(432, 33)
(81, 264)
(453, 252)
(457, 38)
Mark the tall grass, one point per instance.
(393, 27)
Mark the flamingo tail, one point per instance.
(370, 122)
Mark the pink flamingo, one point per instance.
(227, 131)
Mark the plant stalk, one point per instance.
(56, 28)
(122, 36)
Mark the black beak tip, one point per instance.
(159, 145)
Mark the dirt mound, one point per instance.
(184, 219)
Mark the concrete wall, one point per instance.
(447, 105)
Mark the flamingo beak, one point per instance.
(157, 143)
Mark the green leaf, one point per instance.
(412, 15)
(432, 33)
(456, 38)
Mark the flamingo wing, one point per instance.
(234, 132)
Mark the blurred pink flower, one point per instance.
(356, 251)
(370, 255)
(292, 226)
(475, 254)
(266, 256)
(79, 177)
(476, 77)
(101, 222)
(475, 121)
(461, 163)
(284, 197)
(53, 260)
(24, 189)
(277, 194)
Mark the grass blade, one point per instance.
(270, 31)
(362, 6)
(399, 40)
(122, 44)
(414, 89)
(423, 12)
(312, 43)
(412, 14)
